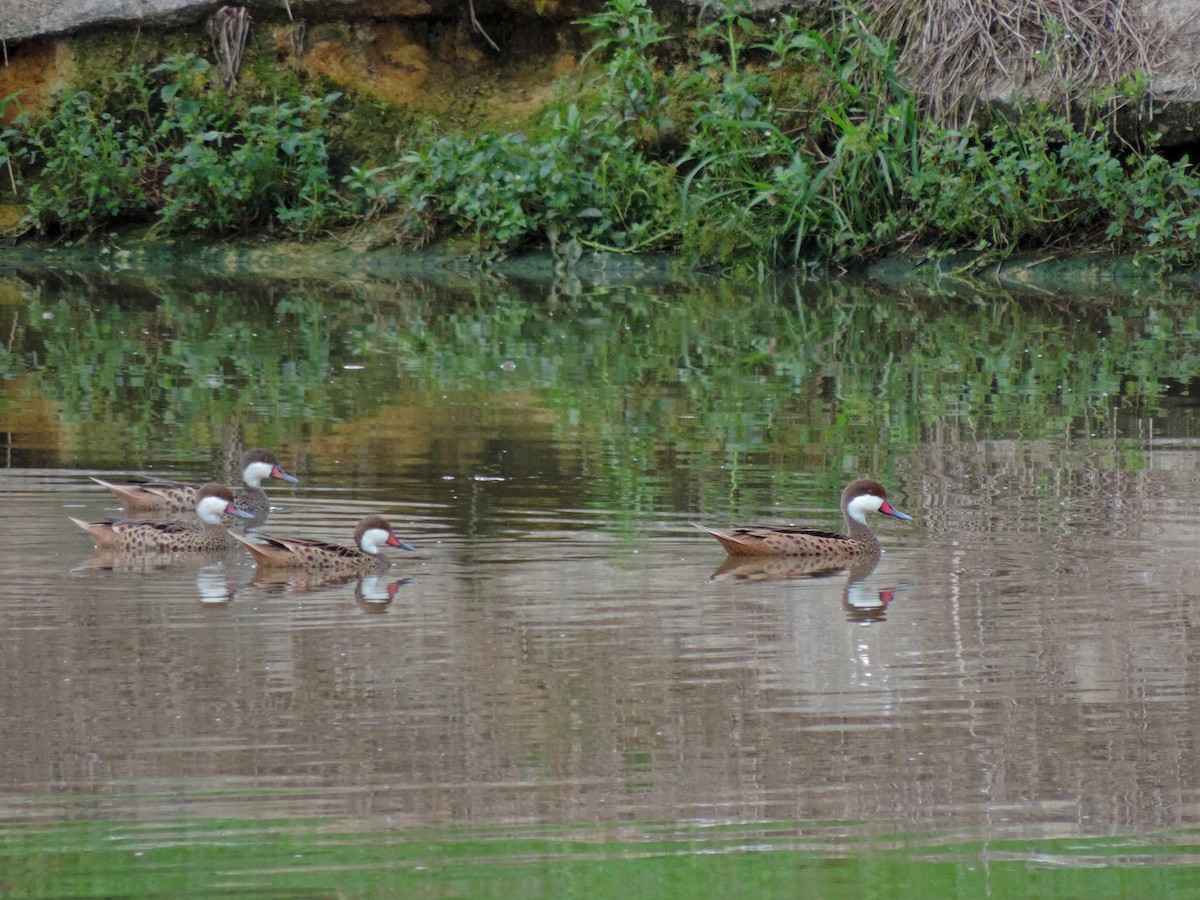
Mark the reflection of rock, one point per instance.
(861, 602)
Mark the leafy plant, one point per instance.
(161, 145)
(88, 165)
(270, 164)
(831, 190)
(1039, 183)
(626, 32)
(584, 181)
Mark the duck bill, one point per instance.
(231, 510)
(284, 476)
(888, 510)
(394, 541)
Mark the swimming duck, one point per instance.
(179, 496)
(201, 534)
(859, 498)
(371, 534)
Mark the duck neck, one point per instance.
(254, 473)
(859, 532)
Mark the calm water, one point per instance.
(564, 692)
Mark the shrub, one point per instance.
(89, 167)
(270, 164)
(1039, 183)
(161, 146)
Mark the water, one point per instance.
(566, 691)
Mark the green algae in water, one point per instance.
(322, 857)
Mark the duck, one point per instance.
(370, 536)
(201, 534)
(859, 498)
(180, 496)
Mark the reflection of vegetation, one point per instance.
(180, 364)
(834, 353)
(638, 371)
(636, 378)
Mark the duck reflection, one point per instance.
(862, 602)
(373, 593)
(135, 561)
(214, 585)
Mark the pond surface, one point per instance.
(564, 691)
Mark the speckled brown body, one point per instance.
(767, 540)
(180, 496)
(302, 553)
(200, 534)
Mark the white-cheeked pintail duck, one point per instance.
(180, 496)
(859, 498)
(201, 534)
(371, 535)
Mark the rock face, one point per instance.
(1171, 107)
(22, 19)
(1175, 87)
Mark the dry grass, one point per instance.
(957, 53)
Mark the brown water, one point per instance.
(1024, 660)
(564, 649)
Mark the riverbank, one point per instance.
(740, 142)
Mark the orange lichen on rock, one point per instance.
(448, 71)
(34, 70)
(383, 61)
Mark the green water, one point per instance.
(326, 858)
(162, 363)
